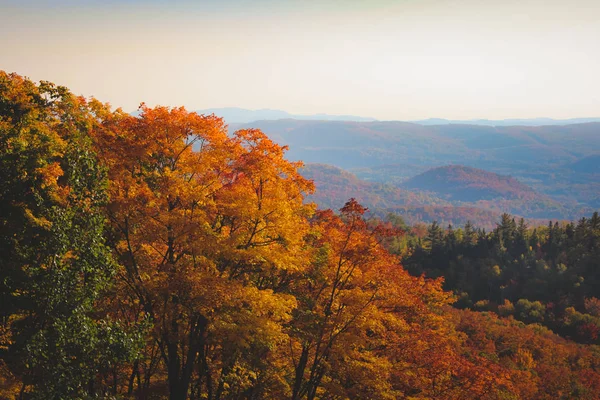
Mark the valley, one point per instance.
(535, 172)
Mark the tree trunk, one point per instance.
(180, 375)
(299, 377)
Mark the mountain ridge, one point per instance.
(392, 152)
(335, 186)
(238, 115)
(462, 183)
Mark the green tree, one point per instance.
(55, 265)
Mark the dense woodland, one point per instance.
(157, 256)
(546, 275)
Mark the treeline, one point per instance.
(156, 256)
(548, 275)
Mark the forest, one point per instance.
(545, 275)
(161, 256)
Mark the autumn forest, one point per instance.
(162, 256)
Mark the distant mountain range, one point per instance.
(538, 172)
(452, 194)
(460, 183)
(335, 186)
(507, 122)
(550, 171)
(442, 169)
(234, 115)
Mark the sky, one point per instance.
(390, 60)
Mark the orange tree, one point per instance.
(207, 228)
(364, 328)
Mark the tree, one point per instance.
(365, 328)
(435, 236)
(337, 302)
(55, 265)
(208, 228)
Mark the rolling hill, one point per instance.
(508, 122)
(467, 184)
(335, 186)
(545, 158)
(368, 144)
(587, 165)
(236, 115)
(474, 187)
(452, 194)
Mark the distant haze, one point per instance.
(389, 60)
(234, 115)
(241, 115)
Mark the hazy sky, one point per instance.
(405, 59)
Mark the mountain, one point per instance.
(466, 186)
(368, 144)
(460, 183)
(335, 186)
(541, 157)
(507, 122)
(234, 115)
(349, 144)
(587, 165)
(450, 195)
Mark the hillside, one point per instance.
(449, 195)
(542, 157)
(460, 183)
(335, 186)
(369, 144)
(587, 165)
(237, 115)
(508, 122)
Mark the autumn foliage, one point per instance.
(212, 278)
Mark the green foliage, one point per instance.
(55, 265)
(530, 311)
(536, 275)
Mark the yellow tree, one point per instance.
(365, 328)
(334, 347)
(207, 227)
